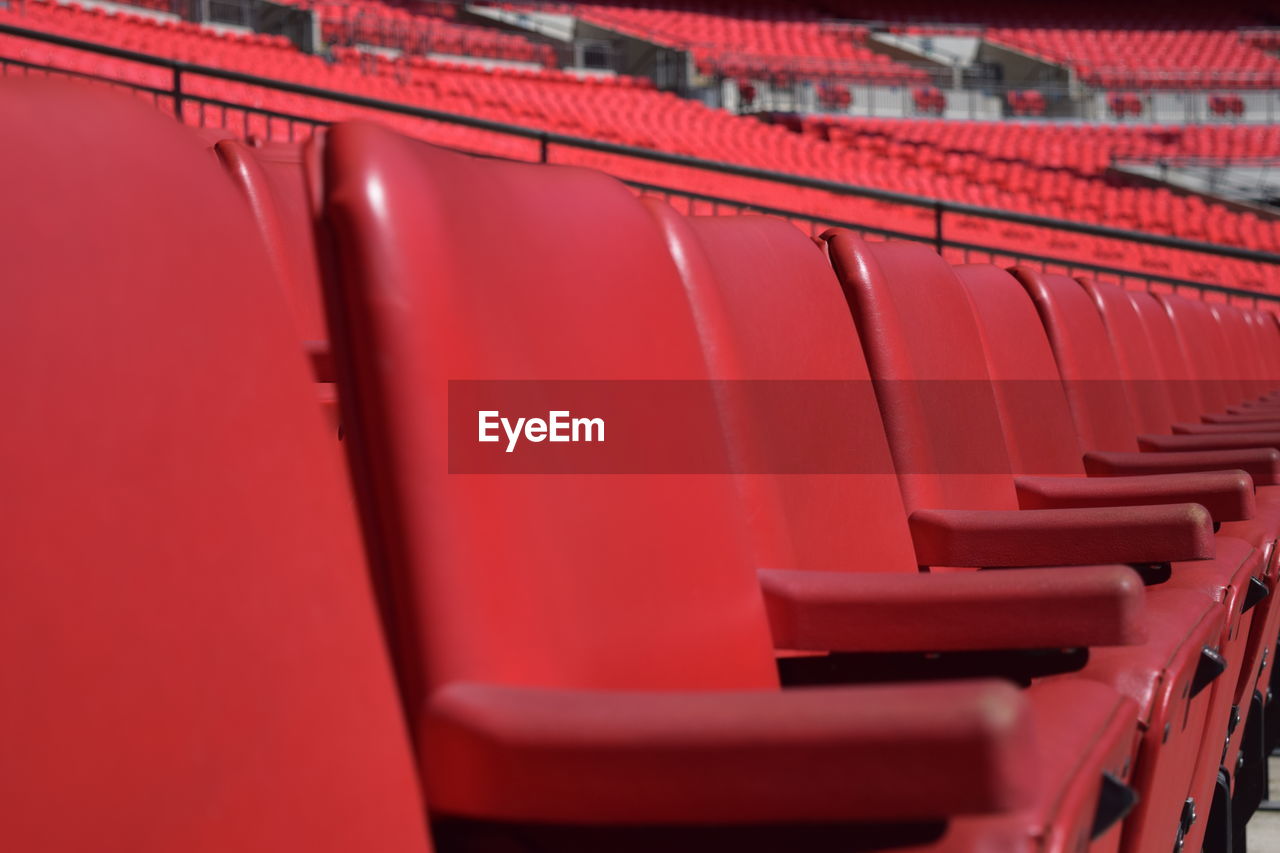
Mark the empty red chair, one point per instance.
(929, 99)
(1028, 102)
(193, 657)
(588, 649)
(1226, 105)
(276, 179)
(835, 96)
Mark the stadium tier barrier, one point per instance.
(235, 103)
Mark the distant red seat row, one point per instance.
(628, 111)
(1173, 59)
(420, 31)
(792, 45)
(1124, 104)
(1061, 170)
(1028, 102)
(1226, 105)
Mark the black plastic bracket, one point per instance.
(1211, 665)
(1115, 800)
(1251, 775)
(1217, 836)
(1258, 590)
(1185, 823)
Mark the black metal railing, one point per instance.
(945, 225)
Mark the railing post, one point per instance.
(543, 143)
(177, 92)
(937, 227)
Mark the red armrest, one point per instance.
(727, 756)
(1231, 441)
(1227, 428)
(1253, 417)
(1228, 495)
(1262, 464)
(1062, 537)
(1253, 407)
(957, 611)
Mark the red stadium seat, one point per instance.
(193, 657)
(276, 179)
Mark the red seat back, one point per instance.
(1147, 381)
(1085, 358)
(281, 182)
(458, 270)
(924, 350)
(1190, 397)
(1033, 403)
(191, 656)
(1268, 344)
(1204, 347)
(278, 180)
(1245, 358)
(773, 320)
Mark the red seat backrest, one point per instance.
(1204, 347)
(924, 350)
(279, 181)
(1190, 397)
(456, 271)
(191, 657)
(1246, 359)
(1033, 402)
(1085, 358)
(1268, 343)
(773, 320)
(1148, 382)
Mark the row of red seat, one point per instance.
(1085, 14)
(584, 640)
(1088, 149)
(770, 39)
(1123, 104)
(1026, 102)
(420, 31)
(1226, 105)
(1150, 59)
(628, 111)
(780, 44)
(1062, 169)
